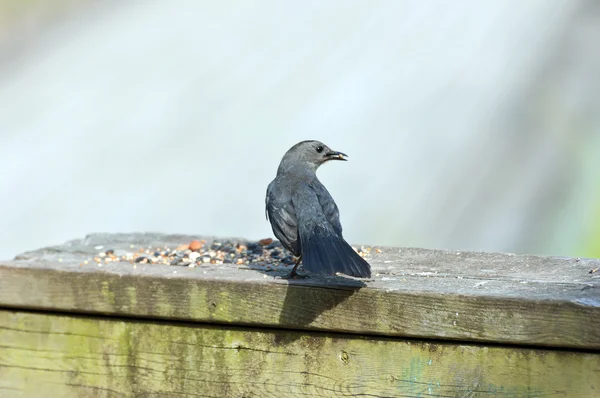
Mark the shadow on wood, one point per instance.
(303, 304)
(307, 299)
(238, 332)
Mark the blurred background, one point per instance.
(470, 125)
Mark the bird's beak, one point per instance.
(336, 156)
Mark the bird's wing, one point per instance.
(330, 209)
(324, 250)
(282, 216)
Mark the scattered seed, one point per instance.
(196, 245)
(273, 245)
(266, 253)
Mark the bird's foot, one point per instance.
(295, 275)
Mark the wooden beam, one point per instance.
(499, 298)
(79, 356)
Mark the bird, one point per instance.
(304, 216)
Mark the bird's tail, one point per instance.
(329, 253)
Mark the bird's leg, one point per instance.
(294, 274)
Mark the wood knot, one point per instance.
(344, 357)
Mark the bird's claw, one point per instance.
(294, 275)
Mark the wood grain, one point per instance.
(95, 357)
(499, 298)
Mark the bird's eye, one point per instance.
(320, 148)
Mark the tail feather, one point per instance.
(328, 260)
(340, 254)
(330, 253)
(312, 255)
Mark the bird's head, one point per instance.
(311, 153)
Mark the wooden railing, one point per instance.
(78, 321)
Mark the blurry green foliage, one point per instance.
(13, 11)
(591, 245)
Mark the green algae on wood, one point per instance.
(462, 296)
(101, 357)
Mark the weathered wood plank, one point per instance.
(416, 293)
(94, 357)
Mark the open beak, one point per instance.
(336, 156)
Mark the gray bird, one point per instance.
(304, 216)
